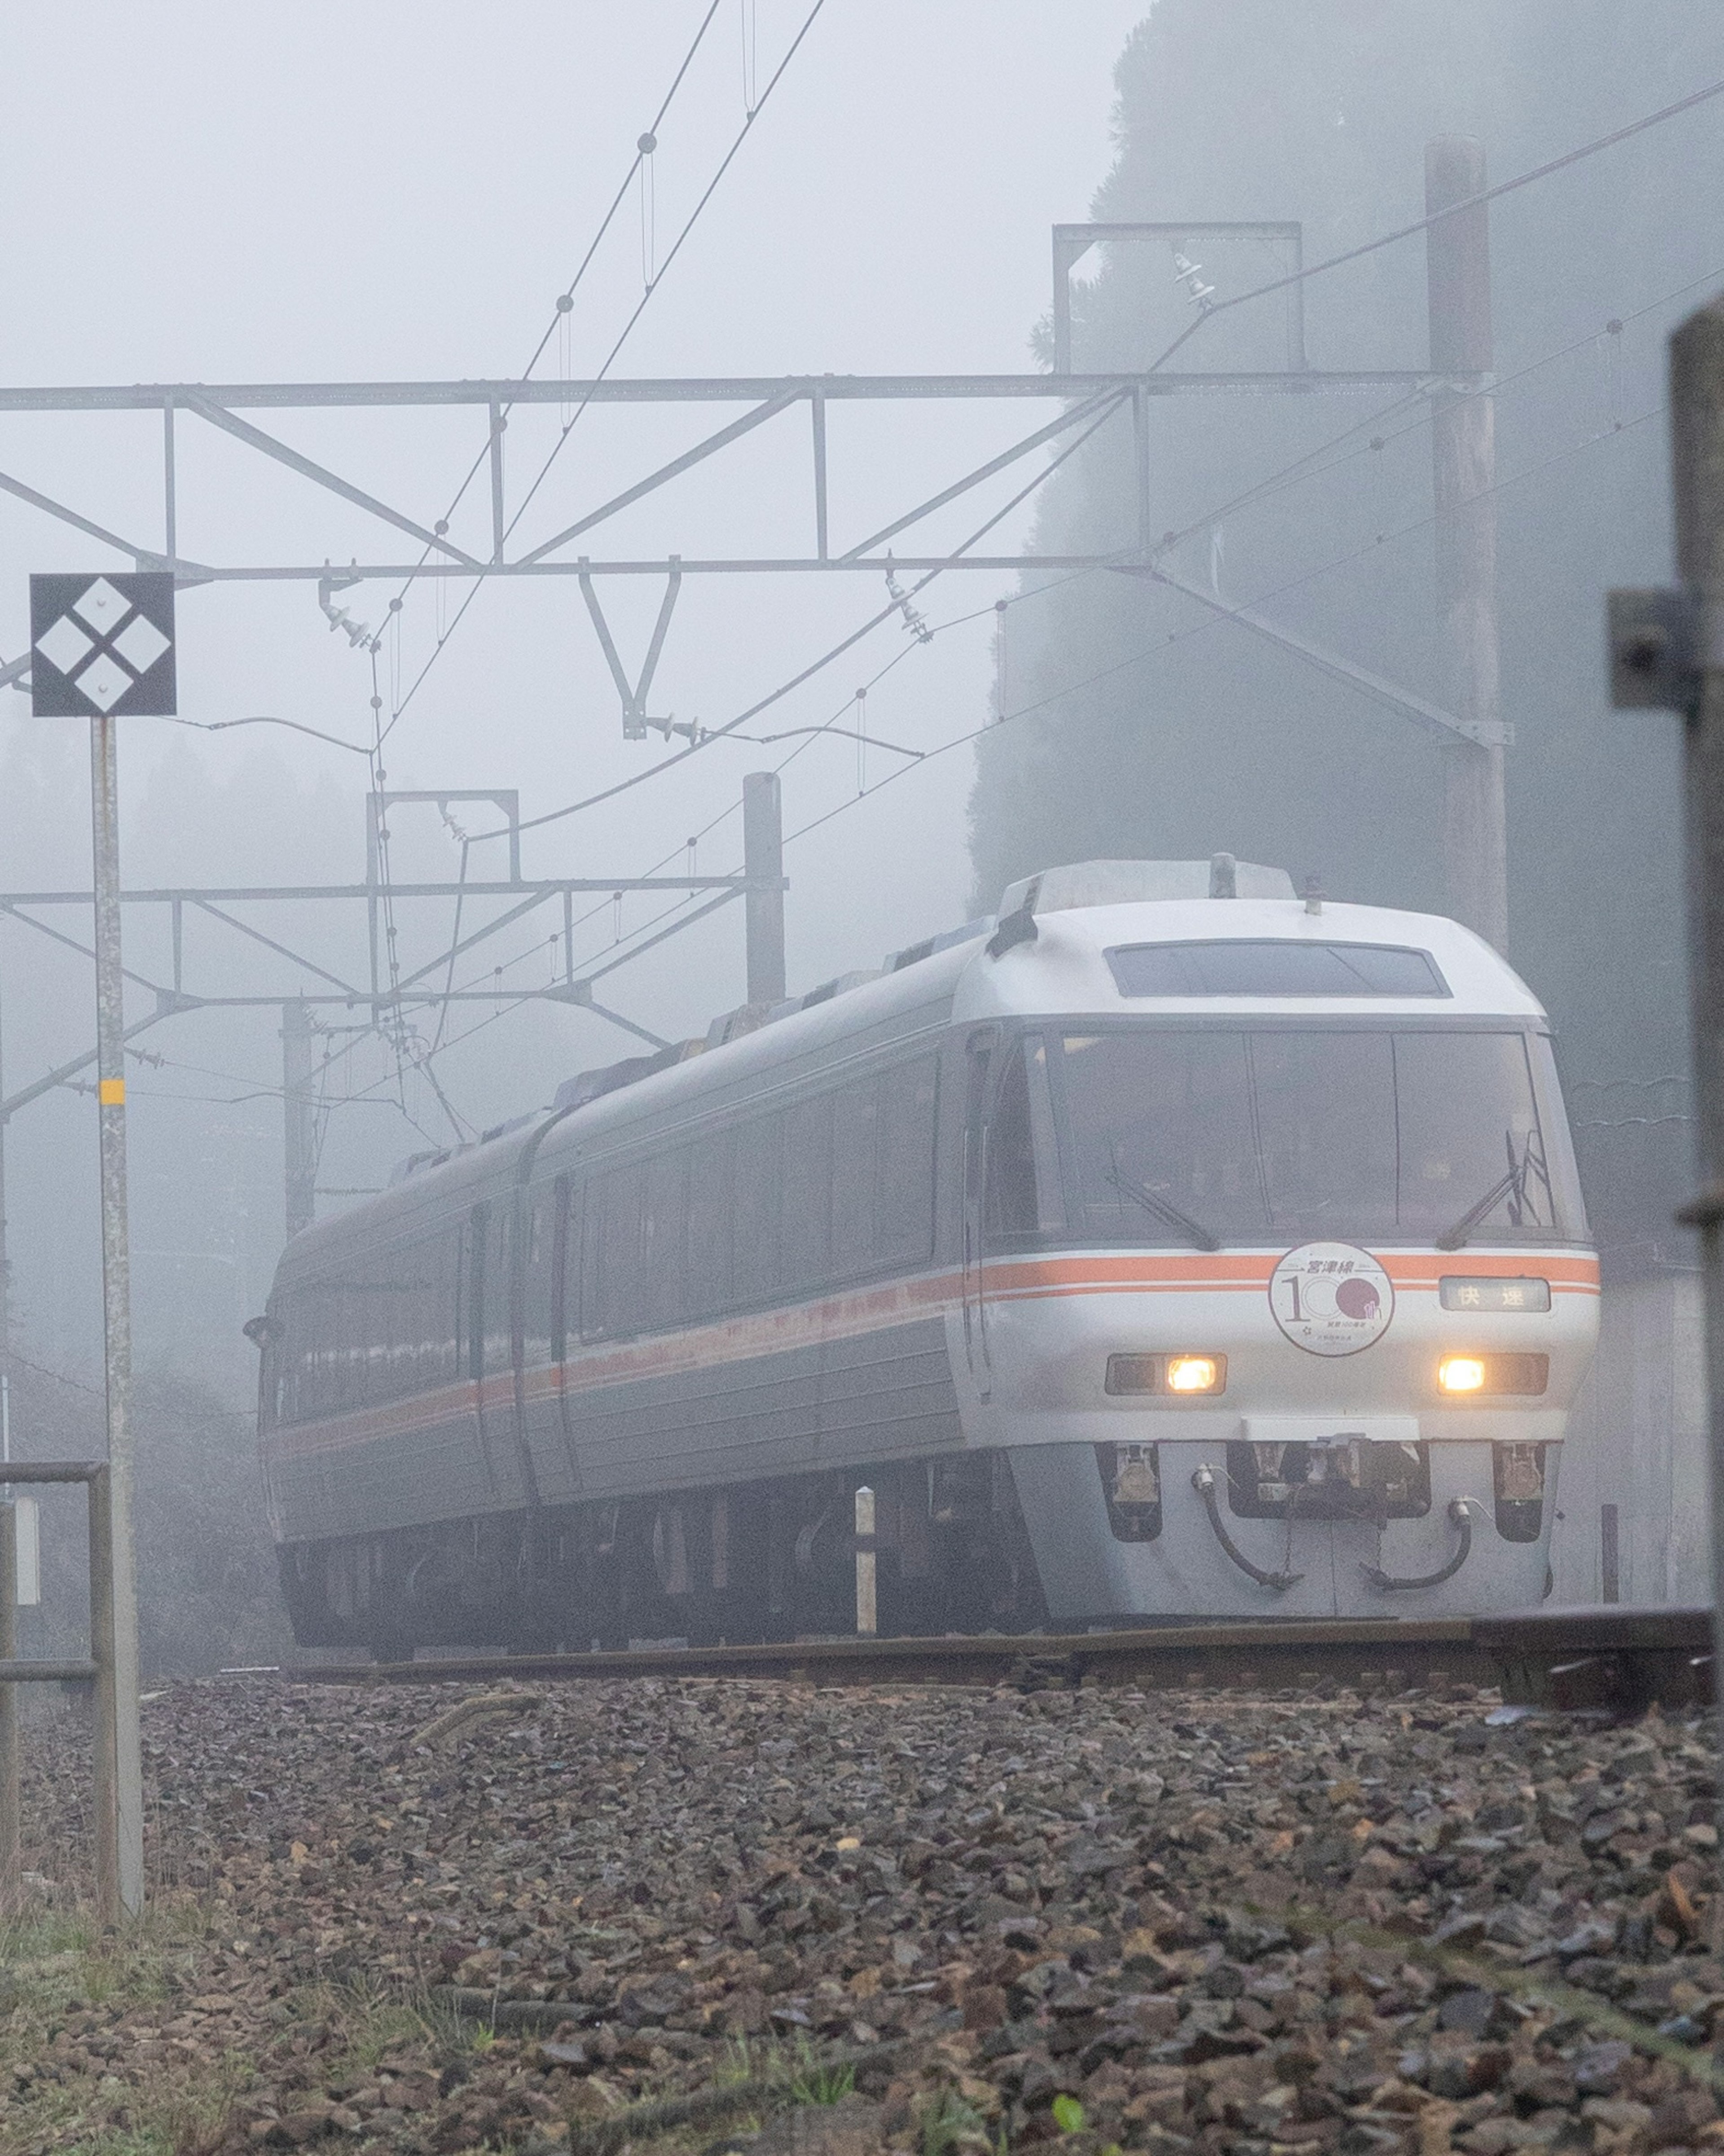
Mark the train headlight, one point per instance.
(1464, 1377)
(1461, 1373)
(1185, 1377)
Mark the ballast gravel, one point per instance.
(1196, 1921)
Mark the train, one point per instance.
(1170, 1245)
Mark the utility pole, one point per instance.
(299, 1135)
(1667, 652)
(125, 1864)
(1697, 432)
(1463, 471)
(763, 870)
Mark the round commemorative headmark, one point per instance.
(1330, 1298)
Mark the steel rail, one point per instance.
(1610, 1659)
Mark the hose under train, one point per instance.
(1203, 1482)
(1460, 1512)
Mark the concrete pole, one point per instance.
(1697, 448)
(121, 1702)
(1463, 471)
(763, 866)
(299, 1135)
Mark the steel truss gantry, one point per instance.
(385, 998)
(1082, 397)
(1087, 402)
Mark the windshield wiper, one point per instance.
(1512, 1186)
(1451, 1238)
(1171, 1214)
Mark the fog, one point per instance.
(202, 193)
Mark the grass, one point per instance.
(953, 2125)
(56, 1967)
(796, 2068)
(59, 1964)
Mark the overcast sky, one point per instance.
(399, 191)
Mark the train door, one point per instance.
(565, 1313)
(485, 1288)
(982, 1053)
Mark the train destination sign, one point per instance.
(1330, 1298)
(103, 646)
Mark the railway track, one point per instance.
(1608, 1659)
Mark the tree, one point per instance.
(1149, 729)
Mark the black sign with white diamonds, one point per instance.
(102, 644)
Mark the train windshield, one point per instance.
(1204, 1137)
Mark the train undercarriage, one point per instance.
(769, 1560)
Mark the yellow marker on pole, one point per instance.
(110, 1092)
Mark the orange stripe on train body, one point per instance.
(877, 1308)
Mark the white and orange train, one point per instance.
(1169, 1246)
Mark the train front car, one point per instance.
(1276, 1284)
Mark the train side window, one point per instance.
(343, 1383)
(455, 1307)
(759, 1146)
(498, 1259)
(611, 1284)
(445, 1333)
(313, 1356)
(275, 1370)
(856, 1130)
(592, 1255)
(335, 1368)
(358, 1317)
(1023, 1194)
(904, 1186)
(709, 1282)
(538, 1318)
(403, 1297)
(805, 1207)
(427, 1304)
(474, 1238)
(578, 1264)
(663, 1230)
(565, 1259)
(389, 1316)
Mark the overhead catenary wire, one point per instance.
(1299, 469)
(1295, 473)
(565, 299)
(1211, 620)
(831, 726)
(1289, 476)
(1503, 188)
(622, 338)
(892, 610)
(1452, 209)
(1074, 688)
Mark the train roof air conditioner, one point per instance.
(1131, 883)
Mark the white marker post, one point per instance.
(867, 1620)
